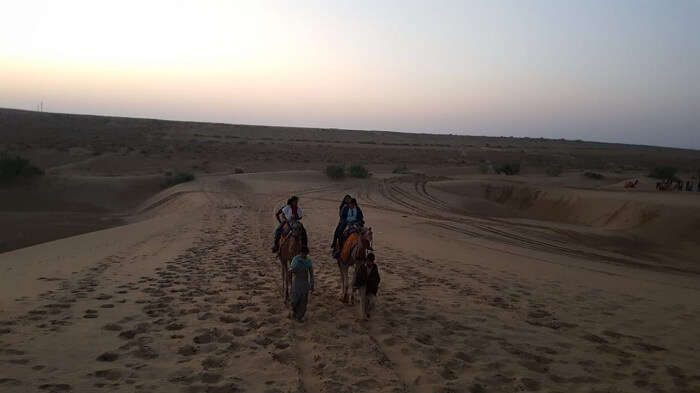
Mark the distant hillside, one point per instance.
(117, 145)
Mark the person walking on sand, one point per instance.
(367, 282)
(302, 283)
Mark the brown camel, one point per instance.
(290, 246)
(358, 252)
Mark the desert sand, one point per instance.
(490, 283)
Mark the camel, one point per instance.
(358, 251)
(290, 246)
(664, 185)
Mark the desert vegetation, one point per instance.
(663, 172)
(13, 168)
(403, 169)
(359, 171)
(509, 168)
(337, 172)
(554, 170)
(178, 178)
(593, 175)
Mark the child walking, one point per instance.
(367, 281)
(302, 283)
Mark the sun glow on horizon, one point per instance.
(482, 67)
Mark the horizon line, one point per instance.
(439, 133)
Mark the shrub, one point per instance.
(335, 172)
(180, 177)
(593, 175)
(484, 166)
(401, 169)
(663, 172)
(12, 168)
(554, 170)
(511, 168)
(359, 171)
(238, 170)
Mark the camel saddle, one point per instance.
(348, 245)
(287, 231)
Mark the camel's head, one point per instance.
(366, 234)
(295, 227)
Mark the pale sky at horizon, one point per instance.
(615, 71)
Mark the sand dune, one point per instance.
(489, 283)
(59, 206)
(186, 298)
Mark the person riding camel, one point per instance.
(290, 213)
(339, 227)
(351, 215)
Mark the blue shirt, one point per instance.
(303, 274)
(301, 262)
(352, 215)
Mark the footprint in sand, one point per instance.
(112, 327)
(188, 350)
(108, 357)
(112, 374)
(10, 382)
(55, 388)
(213, 362)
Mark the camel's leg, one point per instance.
(285, 282)
(344, 291)
(351, 284)
(347, 285)
(342, 281)
(284, 289)
(344, 284)
(363, 302)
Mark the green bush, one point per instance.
(484, 166)
(180, 177)
(663, 172)
(554, 170)
(511, 168)
(593, 175)
(359, 171)
(12, 168)
(335, 172)
(401, 169)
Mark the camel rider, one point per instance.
(339, 227)
(289, 213)
(352, 214)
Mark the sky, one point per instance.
(606, 70)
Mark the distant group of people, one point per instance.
(301, 267)
(676, 185)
